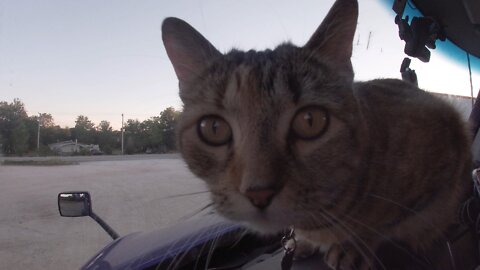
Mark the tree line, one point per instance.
(19, 132)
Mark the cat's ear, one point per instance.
(187, 49)
(333, 39)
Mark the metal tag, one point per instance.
(287, 260)
(289, 245)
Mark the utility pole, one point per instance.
(122, 133)
(38, 133)
(368, 42)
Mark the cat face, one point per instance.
(275, 133)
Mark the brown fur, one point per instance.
(394, 162)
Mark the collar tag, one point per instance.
(289, 245)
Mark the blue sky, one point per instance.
(105, 58)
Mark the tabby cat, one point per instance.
(284, 137)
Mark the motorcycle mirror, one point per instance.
(74, 204)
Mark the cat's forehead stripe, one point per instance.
(261, 80)
(232, 94)
(261, 75)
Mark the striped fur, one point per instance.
(394, 162)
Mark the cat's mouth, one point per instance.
(272, 217)
(265, 224)
(266, 219)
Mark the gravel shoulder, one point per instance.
(131, 194)
(96, 158)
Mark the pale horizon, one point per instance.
(102, 59)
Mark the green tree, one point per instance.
(104, 126)
(84, 123)
(19, 139)
(135, 137)
(54, 134)
(84, 130)
(106, 137)
(13, 131)
(153, 133)
(31, 125)
(168, 121)
(46, 120)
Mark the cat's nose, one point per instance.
(260, 197)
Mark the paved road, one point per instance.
(129, 194)
(97, 158)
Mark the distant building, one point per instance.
(71, 147)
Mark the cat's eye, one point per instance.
(310, 122)
(214, 130)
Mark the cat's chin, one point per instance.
(269, 227)
(265, 228)
(259, 224)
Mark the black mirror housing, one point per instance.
(74, 204)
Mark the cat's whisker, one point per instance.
(315, 220)
(372, 229)
(325, 214)
(240, 237)
(331, 220)
(200, 253)
(159, 199)
(178, 258)
(433, 227)
(329, 229)
(211, 250)
(430, 224)
(173, 261)
(184, 194)
(198, 211)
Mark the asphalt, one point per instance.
(96, 158)
(131, 193)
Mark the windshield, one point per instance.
(89, 101)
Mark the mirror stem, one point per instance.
(104, 225)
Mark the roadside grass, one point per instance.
(47, 162)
